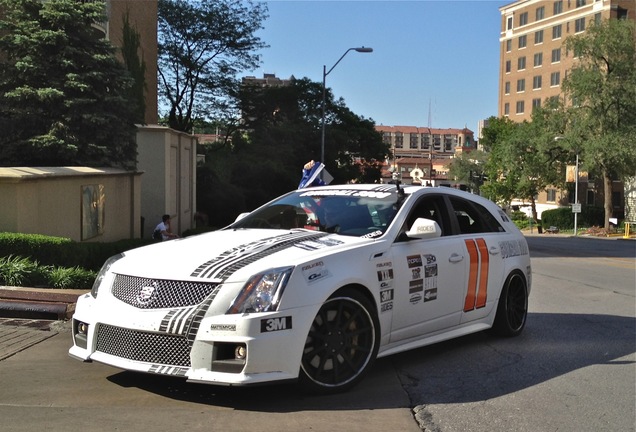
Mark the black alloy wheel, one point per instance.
(342, 343)
(512, 309)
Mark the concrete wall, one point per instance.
(168, 160)
(53, 201)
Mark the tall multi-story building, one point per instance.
(534, 62)
(533, 59)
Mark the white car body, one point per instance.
(174, 308)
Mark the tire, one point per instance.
(342, 344)
(512, 309)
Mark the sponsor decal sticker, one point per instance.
(385, 275)
(386, 295)
(414, 261)
(415, 298)
(315, 271)
(276, 324)
(416, 286)
(223, 327)
(385, 307)
(430, 294)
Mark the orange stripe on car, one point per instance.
(483, 273)
(469, 304)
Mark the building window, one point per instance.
(506, 108)
(540, 13)
(556, 32)
(538, 37)
(509, 23)
(509, 45)
(597, 18)
(520, 107)
(556, 55)
(580, 3)
(551, 195)
(413, 141)
(521, 63)
(579, 25)
(538, 59)
(426, 141)
(523, 41)
(399, 139)
(536, 82)
(508, 66)
(521, 85)
(507, 87)
(523, 19)
(555, 79)
(558, 7)
(536, 103)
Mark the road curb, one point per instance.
(38, 303)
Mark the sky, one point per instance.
(434, 62)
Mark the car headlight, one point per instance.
(102, 273)
(262, 292)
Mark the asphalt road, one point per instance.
(573, 369)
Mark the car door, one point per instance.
(428, 275)
(481, 235)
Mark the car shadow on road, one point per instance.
(472, 368)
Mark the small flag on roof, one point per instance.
(314, 174)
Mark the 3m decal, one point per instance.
(386, 295)
(478, 274)
(276, 324)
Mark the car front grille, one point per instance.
(154, 348)
(144, 293)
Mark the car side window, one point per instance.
(429, 207)
(473, 218)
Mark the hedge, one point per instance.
(563, 217)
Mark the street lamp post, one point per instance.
(576, 207)
(326, 72)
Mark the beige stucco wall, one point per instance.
(48, 200)
(168, 160)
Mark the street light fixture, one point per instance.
(326, 72)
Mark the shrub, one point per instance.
(19, 271)
(70, 277)
(563, 218)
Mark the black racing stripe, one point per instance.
(230, 261)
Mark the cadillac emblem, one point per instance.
(146, 293)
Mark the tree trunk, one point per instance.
(533, 206)
(607, 188)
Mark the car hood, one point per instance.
(231, 255)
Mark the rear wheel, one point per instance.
(341, 345)
(512, 309)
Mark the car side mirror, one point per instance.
(241, 216)
(424, 228)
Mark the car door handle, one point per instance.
(455, 258)
(493, 251)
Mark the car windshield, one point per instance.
(351, 212)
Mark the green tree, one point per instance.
(202, 45)
(63, 94)
(130, 46)
(469, 167)
(601, 87)
(524, 158)
(279, 134)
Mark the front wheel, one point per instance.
(512, 309)
(342, 343)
